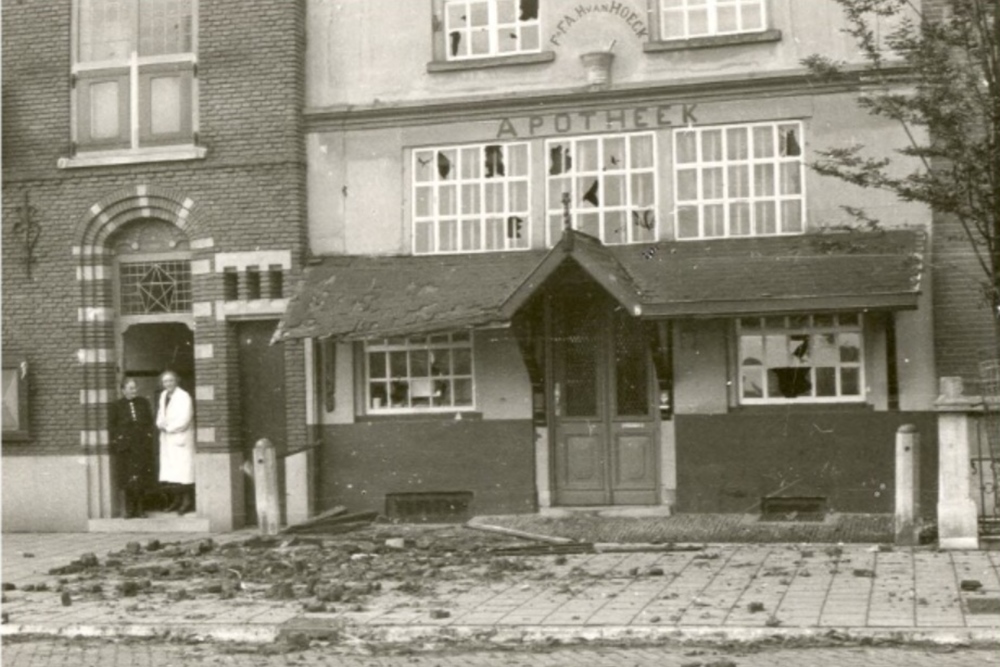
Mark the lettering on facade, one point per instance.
(616, 9)
(637, 118)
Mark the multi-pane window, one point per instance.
(133, 70)
(801, 358)
(484, 28)
(611, 183)
(743, 180)
(682, 19)
(150, 288)
(420, 373)
(471, 198)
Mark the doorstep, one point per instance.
(606, 511)
(155, 522)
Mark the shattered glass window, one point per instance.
(611, 183)
(745, 180)
(683, 19)
(425, 373)
(815, 358)
(471, 198)
(485, 28)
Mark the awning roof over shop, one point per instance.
(357, 297)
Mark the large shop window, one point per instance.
(803, 358)
(133, 69)
(744, 180)
(684, 19)
(420, 374)
(485, 28)
(471, 198)
(611, 183)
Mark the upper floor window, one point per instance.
(420, 373)
(485, 28)
(611, 184)
(471, 198)
(684, 19)
(743, 180)
(133, 68)
(801, 358)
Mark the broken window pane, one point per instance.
(529, 10)
(494, 161)
(788, 141)
(560, 160)
(592, 194)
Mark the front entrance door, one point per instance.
(262, 394)
(602, 409)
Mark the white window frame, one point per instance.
(495, 30)
(576, 181)
(134, 75)
(672, 10)
(768, 330)
(730, 202)
(472, 225)
(396, 393)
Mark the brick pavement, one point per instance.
(727, 591)
(44, 653)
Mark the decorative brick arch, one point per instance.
(94, 274)
(133, 203)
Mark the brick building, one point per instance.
(153, 217)
(570, 254)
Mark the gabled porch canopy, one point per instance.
(359, 297)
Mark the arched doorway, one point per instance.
(154, 324)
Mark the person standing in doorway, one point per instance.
(175, 419)
(130, 425)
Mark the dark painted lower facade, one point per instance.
(729, 462)
(362, 464)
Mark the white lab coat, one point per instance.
(176, 424)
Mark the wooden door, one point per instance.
(602, 412)
(262, 394)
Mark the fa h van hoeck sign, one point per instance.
(616, 9)
(637, 118)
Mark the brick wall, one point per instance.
(248, 194)
(963, 329)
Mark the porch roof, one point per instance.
(356, 297)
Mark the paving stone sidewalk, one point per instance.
(730, 592)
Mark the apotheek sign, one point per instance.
(636, 118)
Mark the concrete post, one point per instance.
(265, 480)
(907, 486)
(958, 526)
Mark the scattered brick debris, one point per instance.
(440, 613)
(755, 607)
(864, 572)
(971, 584)
(983, 605)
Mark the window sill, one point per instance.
(712, 41)
(492, 61)
(810, 406)
(112, 158)
(444, 416)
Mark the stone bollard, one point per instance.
(265, 480)
(907, 486)
(958, 526)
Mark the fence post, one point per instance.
(265, 480)
(958, 525)
(907, 486)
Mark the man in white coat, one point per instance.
(175, 419)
